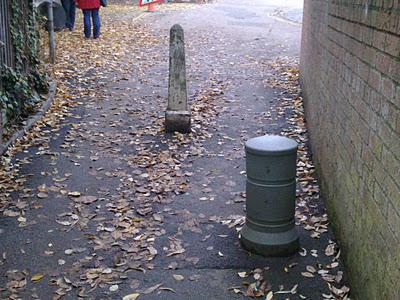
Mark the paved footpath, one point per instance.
(97, 202)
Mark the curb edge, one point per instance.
(30, 122)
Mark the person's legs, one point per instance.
(72, 10)
(64, 4)
(86, 22)
(67, 8)
(96, 23)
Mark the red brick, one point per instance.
(394, 72)
(374, 79)
(382, 62)
(353, 90)
(388, 88)
(392, 45)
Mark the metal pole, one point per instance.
(51, 32)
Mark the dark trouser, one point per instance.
(89, 14)
(69, 7)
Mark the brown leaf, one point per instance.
(307, 274)
(152, 288)
(158, 217)
(86, 199)
(311, 269)
(330, 250)
(42, 195)
(10, 213)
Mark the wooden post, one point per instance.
(177, 116)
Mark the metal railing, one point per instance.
(6, 45)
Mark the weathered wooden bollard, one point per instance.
(271, 193)
(177, 116)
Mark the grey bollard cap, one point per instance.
(271, 145)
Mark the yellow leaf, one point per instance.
(37, 277)
(74, 194)
(133, 296)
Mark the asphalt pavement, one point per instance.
(105, 204)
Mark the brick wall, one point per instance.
(350, 75)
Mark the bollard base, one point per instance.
(177, 121)
(269, 244)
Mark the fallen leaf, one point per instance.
(172, 265)
(294, 289)
(42, 188)
(242, 274)
(330, 250)
(42, 195)
(64, 223)
(69, 251)
(303, 252)
(74, 194)
(152, 288)
(37, 277)
(178, 277)
(167, 289)
(21, 219)
(270, 295)
(152, 250)
(158, 217)
(179, 251)
(194, 277)
(86, 199)
(114, 288)
(311, 269)
(10, 213)
(307, 274)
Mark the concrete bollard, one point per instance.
(177, 116)
(271, 194)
